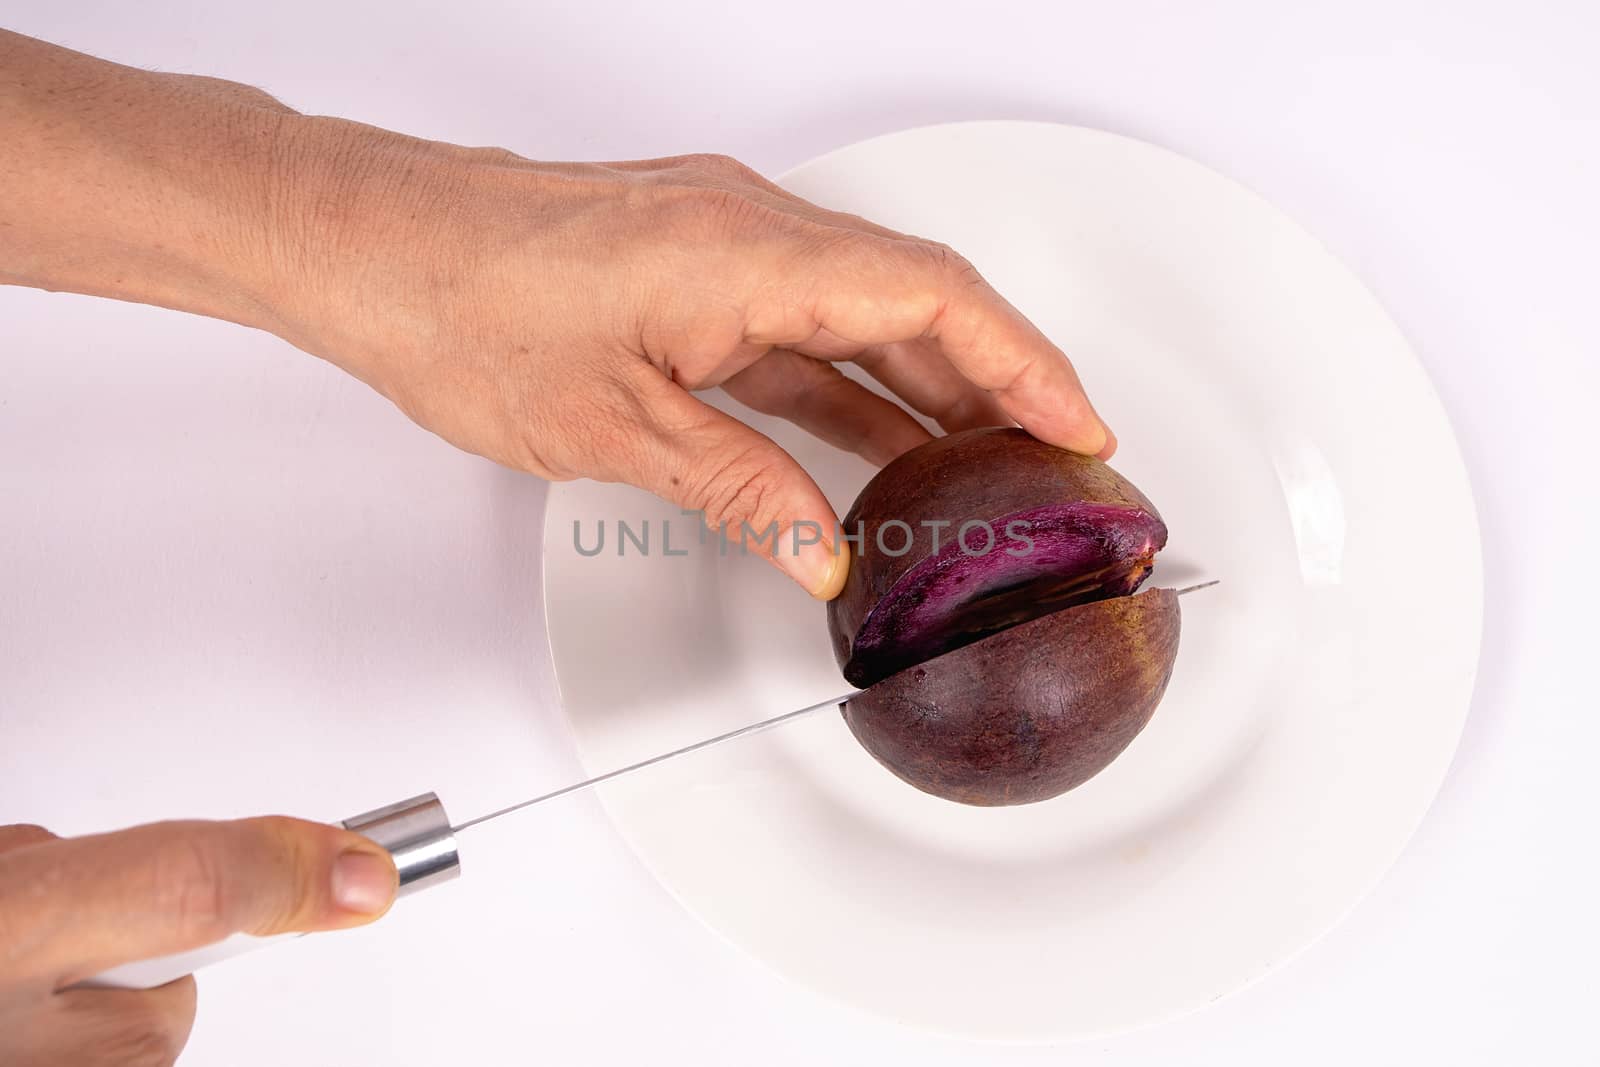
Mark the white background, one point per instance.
(232, 581)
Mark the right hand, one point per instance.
(558, 318)
(71, 908)
(555, 317)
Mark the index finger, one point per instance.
(876, 290)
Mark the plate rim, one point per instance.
(1472, 537)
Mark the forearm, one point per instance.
(212, 197)
(157, 188)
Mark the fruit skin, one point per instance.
(1030, 712)
(975, 474)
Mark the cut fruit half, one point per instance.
(996, 629)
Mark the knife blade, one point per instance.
(698, 746)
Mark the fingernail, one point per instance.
(838, 569)
(363, 882)
(1110, 446)
(818, 568)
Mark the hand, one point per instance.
(556, 317)
(71, 908)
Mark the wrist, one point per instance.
(226, 250)
(350, 212)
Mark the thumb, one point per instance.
(100, 901)
(742, 483)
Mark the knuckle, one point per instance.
(862, 224)
(248, 95)
(712, 214)
(843, 245)
(488, 155)
(718, 164)
(296, 863)
(190, 886)
(1026, 376)
(727, 206)
(739, 487)
(955, 266)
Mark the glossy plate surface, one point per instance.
(1273, 411)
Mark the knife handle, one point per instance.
(416, 832)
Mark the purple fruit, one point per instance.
(990, 610)
(1029, 712)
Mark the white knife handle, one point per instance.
(416, 832)
(147, 974)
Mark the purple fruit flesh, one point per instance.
(1076, 553)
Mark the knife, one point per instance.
(421, 838)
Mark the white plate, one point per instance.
(1297, 451)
